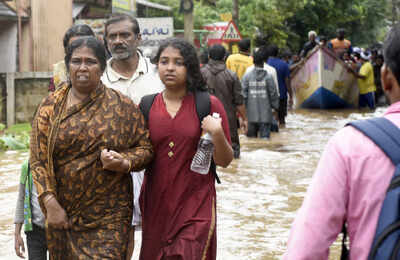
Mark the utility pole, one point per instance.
(133, 7)
(188, 20)
(235, 11)
(394, 11)
(18, 7)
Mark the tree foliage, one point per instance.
(287, 22)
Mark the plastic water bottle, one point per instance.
(202, 159)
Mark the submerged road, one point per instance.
(259, 195)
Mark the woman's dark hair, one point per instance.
(391, 51)
(77, 30)
(90, 42)
(194, 79)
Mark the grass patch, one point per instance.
(15, 137)
(18, 129)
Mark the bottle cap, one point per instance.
(215, 115)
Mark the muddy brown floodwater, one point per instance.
(259, 195)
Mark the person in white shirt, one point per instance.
(271, 70)
(129, 72)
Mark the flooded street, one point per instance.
(259, 195)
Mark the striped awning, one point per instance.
(7, 13)
(153, 5)
(77, 9)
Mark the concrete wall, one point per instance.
(8, 46)
(27, 54)
(50, 20)
(25, 91)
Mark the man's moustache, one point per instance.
(120, 48)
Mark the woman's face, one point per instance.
(84, 70)
(171, 68)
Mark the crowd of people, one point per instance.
(364, 63)
(100, 168)
(90, 144)
(256, 88)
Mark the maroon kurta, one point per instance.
(178, 205)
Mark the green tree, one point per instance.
(286, 23)
(362, 19)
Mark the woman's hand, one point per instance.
(212, 125)
(18, 241)
(223, 153)
(56, 215)
(114, 161)
(244, 125)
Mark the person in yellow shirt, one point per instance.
(239, 62)
(366, 83)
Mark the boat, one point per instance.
(323, 81)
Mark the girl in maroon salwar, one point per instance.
(179, 205)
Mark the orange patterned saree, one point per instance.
(65, 161)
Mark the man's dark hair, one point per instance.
(118, 17)
(76, 30)
(194, 78)
(90, 42)
(263, 50)
(217, 52)
(286, 54)
(391, 51)
(258, 58)
(273, 50)
(340, 31)
(244, 45)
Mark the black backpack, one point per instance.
(203, 108)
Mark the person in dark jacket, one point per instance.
(225, 85)
(260, 97)
(310, 45)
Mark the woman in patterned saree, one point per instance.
(85, 141)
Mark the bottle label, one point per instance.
(202, 159)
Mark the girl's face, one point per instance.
(172, 69)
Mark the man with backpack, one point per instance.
(351, 183)
(225, 85)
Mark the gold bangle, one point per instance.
(129, 165)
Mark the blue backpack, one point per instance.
(386, 135)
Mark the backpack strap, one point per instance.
(203, 109)
(203, 104)
(383, 133)
(386, 136)
(145, 104)
(345, 255)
